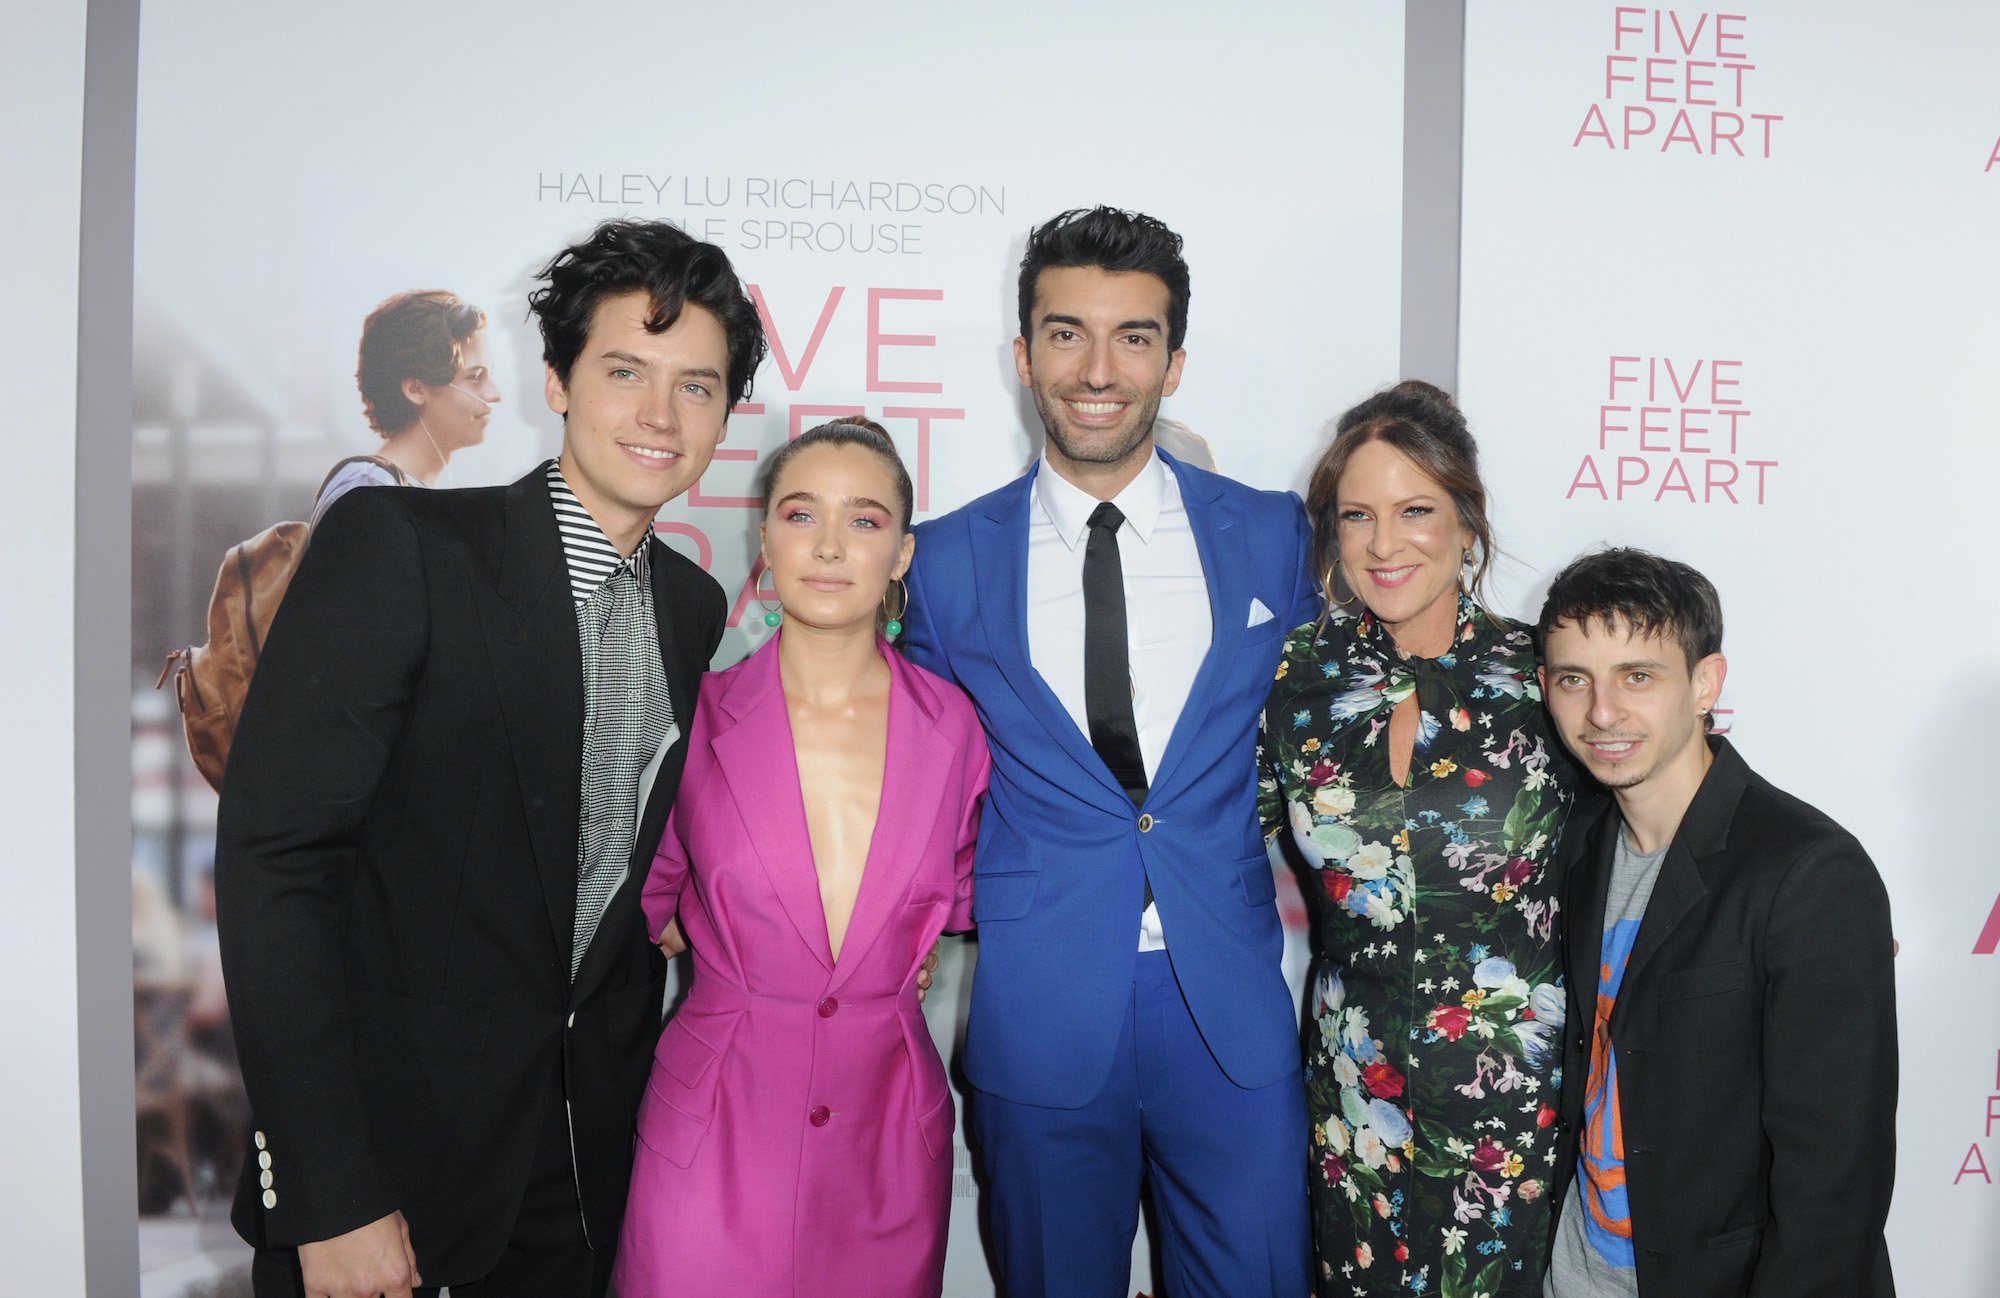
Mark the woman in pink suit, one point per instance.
(796, 1134)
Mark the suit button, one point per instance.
(260, 1140)
(1146, 823)
(820, 1116)
(264, 1160)
(270, 1198)
(264, 1179)
(827, 1007)
(572, 1020)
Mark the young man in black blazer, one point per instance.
(453, 768)
(1730, 1056)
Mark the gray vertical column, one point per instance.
(1433, 173)
(104, 650)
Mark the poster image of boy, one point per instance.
(464, 735)
(426, 390)
(1730, 1059)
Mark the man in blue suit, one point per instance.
(1117, 617)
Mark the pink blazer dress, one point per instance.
(796, 1134)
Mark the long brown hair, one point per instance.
(1426, 425)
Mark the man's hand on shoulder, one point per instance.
(375, 1259)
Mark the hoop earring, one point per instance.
(772, 616)
(1329, 586)
(893, 626)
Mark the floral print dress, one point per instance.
(1433, 1039)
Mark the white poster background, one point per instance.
(1853, 275)
(297, 166)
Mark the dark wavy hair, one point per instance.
(852, 430)
(1425, 424)
(1621, 586)
(1110, 239)
(672, 267)
(416, 335)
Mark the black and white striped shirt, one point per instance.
(628, 718)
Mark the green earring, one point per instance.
(772, 616)
(893, 627)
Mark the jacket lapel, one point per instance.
(1000, 540)
(658, 781)
(1586, 894)
(1702, 836)
(917, 765)
(755, 758)
(682, 676)
(1225, 567)
(531, 641)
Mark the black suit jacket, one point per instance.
(1755, 1033)
(396, 862)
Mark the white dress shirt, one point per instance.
(1167, 622)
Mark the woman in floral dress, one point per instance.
(1406, 753)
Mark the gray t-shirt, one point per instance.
(355, 473)
(1593, 1246)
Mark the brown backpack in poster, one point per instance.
(211, 680)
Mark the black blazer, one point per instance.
(1755, 1033)
(396, 879)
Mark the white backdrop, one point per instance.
(295, 169)
(1784, 297)
(1832, 297)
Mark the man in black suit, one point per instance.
(1730, 1058)
(459, 750)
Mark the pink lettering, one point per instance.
(1586, 131)
(1689, 82)
(1988, 943)
(1656, 78)
(1667, 483)
(1611, 75)
(1646, 426)
(1767, 119)
(695, 499)
(1617, 378)
(1710, 486)
(1632, 113)
(923, 415)
(877, 340)
(1716, 383)
(1605, 427)
(795, 378)
(1681, 132)
(1692, 39)
(1619, 29)
(1973, 1164)
(1624, 473)
(1993, 157)
(1587, 479)
(1688, 428)
(1734, 417)
(1739, 69)
(1760, 466)
(1717, 137)
(1682, 393)
(1721, 36)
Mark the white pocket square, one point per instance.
(1259, 615)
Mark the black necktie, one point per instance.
(1107, 662)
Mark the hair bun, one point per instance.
(1426, 392)
(863, 421)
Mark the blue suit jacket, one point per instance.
(1062, 866)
